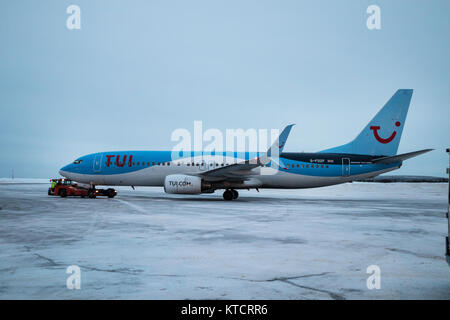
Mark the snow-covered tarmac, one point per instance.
(278, 244)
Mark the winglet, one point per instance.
(278, 145)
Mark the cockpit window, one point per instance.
(77, 161)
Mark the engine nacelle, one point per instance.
(182, 184)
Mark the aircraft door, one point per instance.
(98, 162)
(345, 167)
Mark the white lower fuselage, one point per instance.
(294, 171)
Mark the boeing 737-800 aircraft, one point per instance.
(372, 152)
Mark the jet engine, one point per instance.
(182, 184)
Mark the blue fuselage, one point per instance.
(294, 170)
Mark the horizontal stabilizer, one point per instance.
(400, 157)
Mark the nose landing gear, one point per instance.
(230, 194)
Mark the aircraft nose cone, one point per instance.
(64, 171)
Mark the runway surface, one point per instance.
(276, 244)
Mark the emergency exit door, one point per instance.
(345, 167)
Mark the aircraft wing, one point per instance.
(234, 172)
(243, 170)
(400, 157)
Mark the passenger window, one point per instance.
(138, 162)
(321, 166)
(303, 165)
(327, 166)
(153, 163)
(317, 165)
(307, 165)
(159, 163)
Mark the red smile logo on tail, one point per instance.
(380, 139)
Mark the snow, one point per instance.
(22, 181)
(276, 244)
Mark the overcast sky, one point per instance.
(137, 70)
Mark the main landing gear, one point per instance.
(230, 194)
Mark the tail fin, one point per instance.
(382, 135)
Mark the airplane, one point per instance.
(372, 152)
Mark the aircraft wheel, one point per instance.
(228, 195)
(235, 194)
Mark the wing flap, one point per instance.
(234, 171)
(243, 170)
